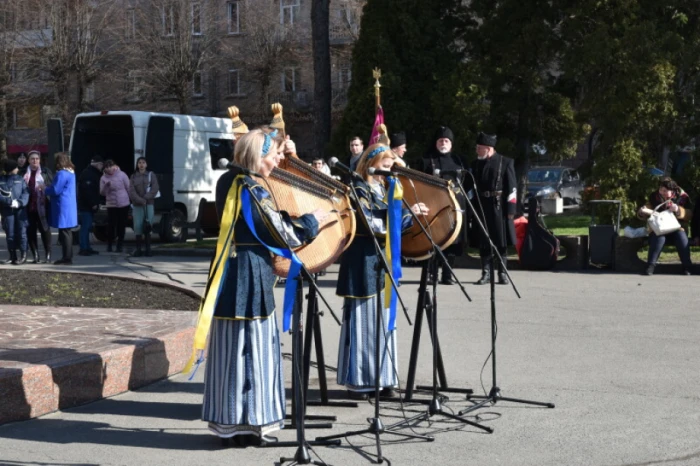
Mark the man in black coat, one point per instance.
(494, 198)
(441, 157)
(89, 201)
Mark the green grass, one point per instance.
(568, 225)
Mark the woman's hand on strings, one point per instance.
(320, 215)
(420, 209)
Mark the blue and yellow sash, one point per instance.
(393, 251)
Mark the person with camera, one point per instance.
(669, 197)
(14, 197)
(143, 189)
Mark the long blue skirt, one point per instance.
(243, 384)
(356, 368)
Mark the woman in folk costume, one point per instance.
(357, 279)
(244, 393)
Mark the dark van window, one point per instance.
(220, 149)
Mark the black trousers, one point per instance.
(116, 224)
(65, 239)
(32, 228)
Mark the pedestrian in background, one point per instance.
(38, 211)
(22, 162)
(64, 205)
(14, 197)
(143, 189)
(89, 202)
(114, 186)
(669, 196)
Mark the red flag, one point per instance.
(378, 120)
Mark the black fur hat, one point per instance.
(484, 139)
(398, 139)
(444, 132)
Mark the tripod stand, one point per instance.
(494, 394)
(376, 426)
(434, 407)
(313, 332)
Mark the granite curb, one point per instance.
(45, 368)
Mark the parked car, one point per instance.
(554, 182)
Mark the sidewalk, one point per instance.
(616, 353)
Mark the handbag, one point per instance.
(663, 223)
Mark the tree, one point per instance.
(517, 47)
(413, 43)
(269, 47)
(637, 86)
(8, 64)
(175, 42)
(65, 47)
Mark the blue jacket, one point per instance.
(64, 203)
(17, 188)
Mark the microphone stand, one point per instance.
(494, 394)
(434, 407)
(376, 426)
(425, 304)
(302, 455)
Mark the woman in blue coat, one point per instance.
(64, 205)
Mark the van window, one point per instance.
(220, 149)
(109, 136)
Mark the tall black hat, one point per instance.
(484, 139)
(398, 139)
(444, 132)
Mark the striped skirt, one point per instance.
(356, 351)
(243, 383)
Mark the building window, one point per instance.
(197, 84)
(220, 149)
(28, 117)
(289, 11)
(234, 82)
(234, 20)
(130, 26)
(135, 84)
(290, 79)
(196, 19)
(168, 20)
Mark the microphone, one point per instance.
(457, 172)
(376, 171)
(333, 162)
(243, 170)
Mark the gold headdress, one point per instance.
(239, 128)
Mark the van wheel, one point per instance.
(172, 227)
(100, 233)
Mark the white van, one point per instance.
(183, 151)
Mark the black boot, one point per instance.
(485, 274)
(147, 236)
(446, 278)
(650, 269)
(35, 255)
(502, 277)
(22, 258)
(48, 256)
(137, 252)
(120, 245)
(13, 257)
